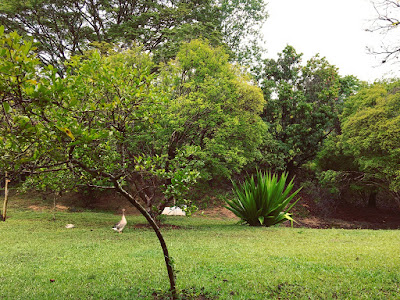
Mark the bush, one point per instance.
(264, 203)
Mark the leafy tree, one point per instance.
(113, 124)
(52, 184)
(301, 104)
(371, 131)
(340, 173)
(65, 28)
(348, 86)
(214, 107)
(366, 154)
(242, 21)
(88, 123)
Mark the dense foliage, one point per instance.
(214, 106)
(65, 28)
(301, 104)
(113, 118)
(367, 152)
(111, 123)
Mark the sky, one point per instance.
(334, 29)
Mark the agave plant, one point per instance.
(265, 201)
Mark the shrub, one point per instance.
(263, 202)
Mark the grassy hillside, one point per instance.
(41, 259)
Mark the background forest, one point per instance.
(167, 97)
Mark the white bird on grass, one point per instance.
(121, 224)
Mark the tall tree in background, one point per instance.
(387, 23)
(301, 104)
(65, 28)
(371, 133)
(241, 28)
(366, 155)
(214, 106)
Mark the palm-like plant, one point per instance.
(265, 201)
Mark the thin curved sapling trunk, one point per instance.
(4, 215)
(142, 210)
(153, 224)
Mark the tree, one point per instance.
(371, 131)
(215, 107)
(387, 23)
(339, 172)
(242, 21)
(66, 28)
(85, 123)
(112, 123)
(301, 104)
(52, 184)
(366, 154)
(348, 86)
(3, 215)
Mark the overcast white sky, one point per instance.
(334, 29)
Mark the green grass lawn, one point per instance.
(41, 259)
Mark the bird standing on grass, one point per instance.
(121, 224)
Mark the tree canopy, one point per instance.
(371, 132)
(217, 107)
(301, 104)
(367, 154)
(112, 118)
(66, 28)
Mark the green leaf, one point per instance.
(7, 107)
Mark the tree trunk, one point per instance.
(153, 224)
(372, 199)
(143, 211)
(396, 196)
(4, 216)
(54, 206)
(290, 168)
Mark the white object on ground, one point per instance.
(68, 226)
(173, 211)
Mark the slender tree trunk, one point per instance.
(5, 198)
(143, 211)
(153, 224)
(54, 206)
(290, 169)
(372, 199)
(396, 196)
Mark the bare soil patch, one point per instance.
(345, 216)
(217, 212)
(58, 207)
